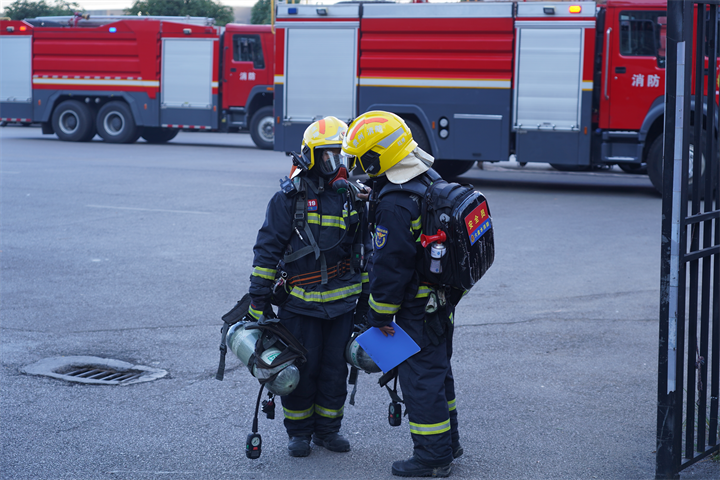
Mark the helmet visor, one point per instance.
(330, 160)
(347, 160)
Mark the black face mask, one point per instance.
(339, 183)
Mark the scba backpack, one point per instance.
(457, 231)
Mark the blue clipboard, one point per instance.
(388, 352)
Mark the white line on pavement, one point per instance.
(147, 209)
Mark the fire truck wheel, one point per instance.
(419, 135)
(73, 122)
(158, 135)
(633, 168)
(262, 128)
(655, 164)
(452, 168)
(115, 123)
(570, 168)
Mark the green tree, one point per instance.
(21, 9)
(260, 13)
(193, 8)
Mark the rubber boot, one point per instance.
(299, 446)
(332, 441)
(412, 467)
(457, 450)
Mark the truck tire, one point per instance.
(262, 128)
(452, 168)
(73, 121)
(655, 164)
(159, 135)
(115, 123)
(633, 168)
(570, 168)
(446, 168)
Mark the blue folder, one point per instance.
(388, 352)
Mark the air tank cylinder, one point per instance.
(357, 357)
(242, 343)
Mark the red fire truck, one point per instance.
(575, 85)
(126, 77)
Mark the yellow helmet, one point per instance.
(325, 134)
(378, 140)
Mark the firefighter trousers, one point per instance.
(428, 389)
(317, 404)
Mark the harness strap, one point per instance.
(323, 270)
(300, 206)
(236, 314)
(300, 222)
(312, 278)
(311, 239)
(393, 393)
(352, 380)
(386, 377)
(273, 326)
(298, 254)
(223, 351)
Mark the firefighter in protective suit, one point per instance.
(311, 228)
(382, 145)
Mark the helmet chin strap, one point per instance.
(339, 183)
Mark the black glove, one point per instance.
(361, 309)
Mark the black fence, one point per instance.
(689, 354)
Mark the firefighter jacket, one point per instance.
(394, 281)
(334, 222)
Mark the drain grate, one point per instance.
(104, 374)
(94, 370)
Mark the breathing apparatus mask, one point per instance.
(333, 166)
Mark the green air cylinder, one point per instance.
(242, 343)
(357, 357)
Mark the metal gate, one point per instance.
(689, 353)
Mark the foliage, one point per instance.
(193, 8)
(21, 9)
(260, 13)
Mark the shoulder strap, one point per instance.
(417, 185)
(300, 224)
(432, 175)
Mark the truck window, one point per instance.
(247, 48)
(640, 35)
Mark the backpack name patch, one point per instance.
(312, 205)
(477, 222)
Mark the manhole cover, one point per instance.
(94, 370)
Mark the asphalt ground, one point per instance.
(134, 252)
